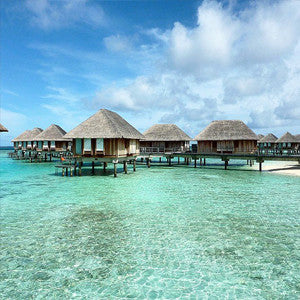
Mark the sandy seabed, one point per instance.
(280, 167)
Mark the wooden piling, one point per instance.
(134, 165)
(125, 167)
(169, 159)
(178, 160)
(226, 164)
(160, 159)
(148, 162)
(104, 166)
(260, 166)
(195, 162)
(115, 170)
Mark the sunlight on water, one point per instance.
(164, 232)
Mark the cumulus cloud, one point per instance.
(50, 15)
(231, 64)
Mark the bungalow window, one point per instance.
(34, 144)
(78, 146)
(40, 145)
(99, 145)
(53, 144)
(87, 145)
(24, 144)
(289, 145)
(269, 144)
(284, 144)
(265, 144)
(45, 145)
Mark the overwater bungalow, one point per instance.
(260, 136)
(227, 136)
(23, 142)
(31, 136)
(162, 138)
(105, 136)
(3, 129)
(287, 144)
(267, 144)
(52, 140)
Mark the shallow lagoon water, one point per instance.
(164, 232)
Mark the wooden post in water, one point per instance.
(260, 166)
(250, 163)
(204, 161)
(160, 159)
(50, 156)
(115, 169)
(226, 164)
(170, 161)
(104, 166)
(93, 167)
(187, 161)
(45, 156)
(195, 162)
(148, 162)
(134, 165)
(178, 160)
(125, 167)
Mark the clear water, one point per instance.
(164, 232)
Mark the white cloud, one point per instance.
(117, 43)
(62, 94)
(232, 64)
(50, 15)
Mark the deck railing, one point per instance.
(161, 150)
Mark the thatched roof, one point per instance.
(269, 138)
(287, 138)
(33, 133)
(22, 136)
(3, 129)
(297, 136)
(52, 133)
(104, 124)
(165, 132)
(260, 136)
(226, 130)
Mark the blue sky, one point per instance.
(183, 62)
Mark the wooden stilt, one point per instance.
(50, 156)
(148, 162)
(195, 163)
(226, 164)
(200, 161)
(250, 163)
(125, 167)
(63, 172)
(134, 165)
(178, 160)
(187, 161)
(45, 156)
(115, 170)
(160, 159)
(104, 166)
(260, 166)
(170, 161)
(204, 161)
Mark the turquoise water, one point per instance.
(164, 232)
